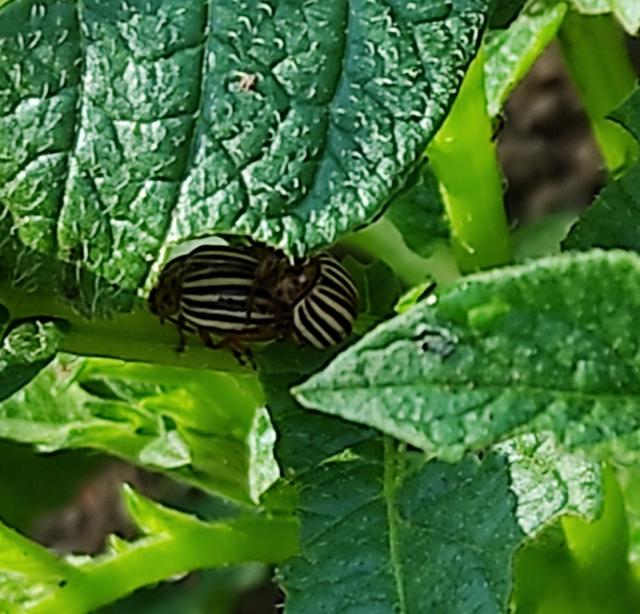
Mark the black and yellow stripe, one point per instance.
(325, 315)
(222, 290)
(213, 288)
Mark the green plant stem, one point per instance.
(137, 335)
(166, 556)
(599, 549)
(463, 157)
(597, 60)
(383, 241)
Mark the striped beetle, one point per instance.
(317, 292)
(212, 290)
(255, 293)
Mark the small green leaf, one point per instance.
(418, 212)
(27, 349)
(386, 531)
(424, 291)
(549, 346)
(610, 221)
(512, 52)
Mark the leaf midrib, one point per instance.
(301, 392)
(390, 480)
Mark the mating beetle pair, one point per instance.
(255, 293)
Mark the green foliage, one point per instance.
(418, 212)
(34, 580)
(407, 520)
(423, 536)
(627, 12)
(512, 52)
(446, 459)
(207, 429)
(121, 111)
(544, 346)
(577, 566)
(611, 219)
(25, 350)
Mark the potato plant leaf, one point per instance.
(204, 428)
(510, 53)
(418, 212)
(384, 530)
(127, 126)
(25, 350)
(578, 566)
(628, 113)
(611, 220)
(305, 438)
(548, 346)
(172, 543)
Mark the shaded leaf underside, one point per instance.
(124, 126)
(202, 428)
(611, 221)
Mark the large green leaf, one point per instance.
(386, 531)
(383, 528)
(205, 428)
(611, 220)
(551, 345)
(127, 126)
(34, 580)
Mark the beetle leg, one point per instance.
(205, 337)
(182, 342)
(240, 351)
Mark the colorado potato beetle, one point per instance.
(256, 293)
